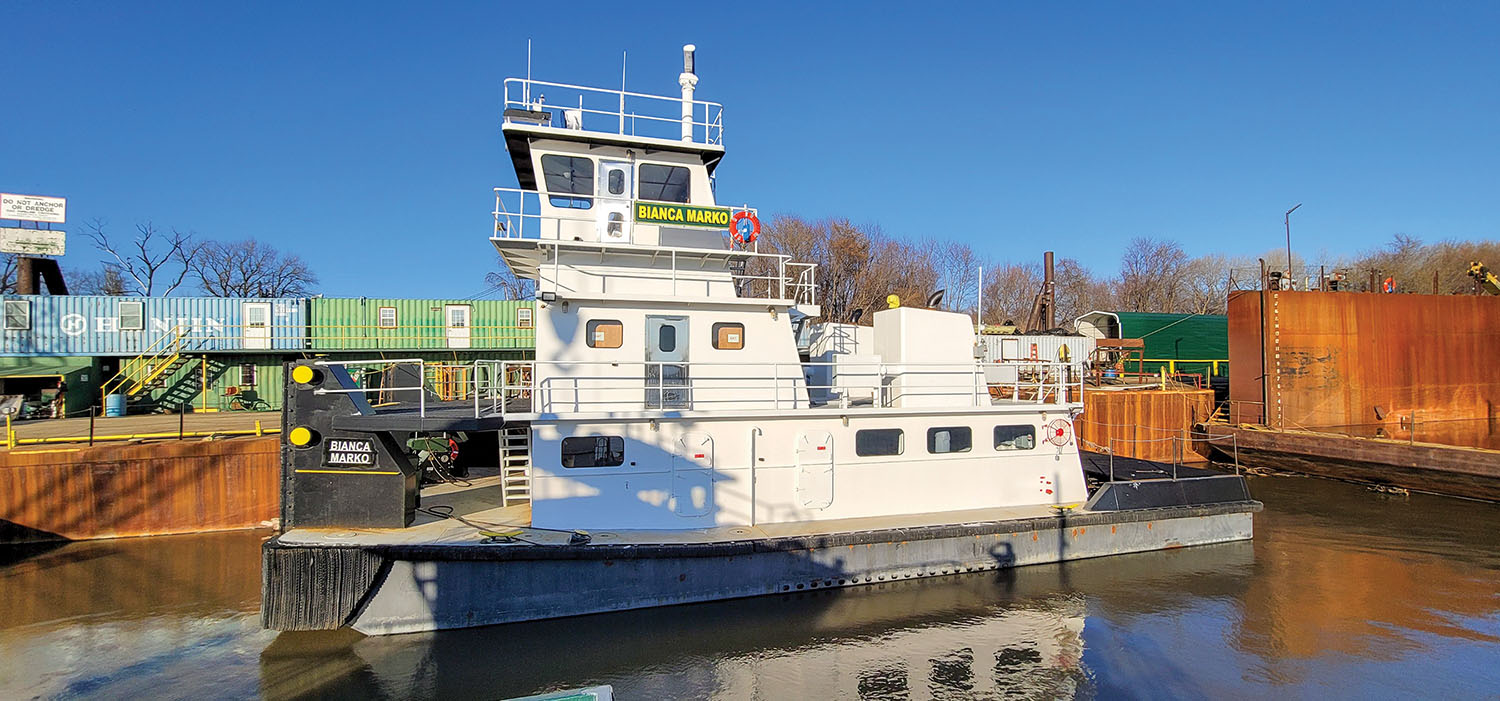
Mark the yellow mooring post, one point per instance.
(257, 427)
(1163, 370)
(10, 436)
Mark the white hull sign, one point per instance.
(32, 242)
(33, 208)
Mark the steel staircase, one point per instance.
(515, 464)
(149, 370)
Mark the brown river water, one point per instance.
(1344, 593)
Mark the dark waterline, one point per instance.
(1343, 593)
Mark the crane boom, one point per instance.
(1486, 279)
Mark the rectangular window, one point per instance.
(605, 333)
(132, 316)
(593, 451)
(387, 317)
(729, 336)
(1015, 437)
(569, 175)
(247, 375)
(879, 441)
(955, 439)
(523, 317)
(17, 315)
(664, 183)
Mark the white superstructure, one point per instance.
(668, 391)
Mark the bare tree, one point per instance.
(958, 275)
(1009, 290)
(250, 268)
(104, 281)
(1080, 291)
(9, 270)
(1151, 275)
(505, 280)
(152, 261)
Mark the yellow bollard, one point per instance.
(257, 427)
(10, 436)
(1163, 371)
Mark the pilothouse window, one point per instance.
(569, 175)
(1015, 437)
(664, 183)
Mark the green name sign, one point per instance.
(682, 215)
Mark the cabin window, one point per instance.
(664, 183)
(605, 333)
(387, 317)
(1015, 437)
(666, 338)
(952, 439)
(247, 375)
(593, 451)
(879, 441)
(17, 315)
(132, 316)
(523, 317)
(569, 175)
(616, 181)
(729, 336)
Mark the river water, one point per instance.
(1344, 592)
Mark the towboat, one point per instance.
(691, 428)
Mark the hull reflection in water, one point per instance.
(982, 634)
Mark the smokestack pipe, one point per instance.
(688, 80)
(1048, 319)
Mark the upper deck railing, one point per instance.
(615, 111)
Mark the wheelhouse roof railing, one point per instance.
(611, 111)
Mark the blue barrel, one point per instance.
(114, 405)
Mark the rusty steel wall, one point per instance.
(1343, 359)
(1145, 424)
(132, 490)
(1246, 359)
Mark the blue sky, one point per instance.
(365, 136)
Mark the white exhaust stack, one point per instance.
(688, 80)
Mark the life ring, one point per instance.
(1059, 432)
(745, 227)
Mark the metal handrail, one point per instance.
(712, 122)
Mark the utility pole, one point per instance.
(1289, 239)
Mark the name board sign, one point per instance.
(349, 452)
(682, 215)
(33, 208)
(32, 242)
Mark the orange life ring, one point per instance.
(746, 233)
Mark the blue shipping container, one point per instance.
(129, 326)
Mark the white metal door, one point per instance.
(693, 475)
(815, 469)
(456, 318)
(668, 385)
(257, 323)
(616, 188)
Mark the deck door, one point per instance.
(815, 469)
(456, 318)
(667, 382)
(616, 188)
(693, 474)
(257, 323)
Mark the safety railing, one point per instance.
(1172, 363)
(135, 374)
(317, 337)
(420, 386)
(607, 110)
(1181, 445)
(580, 386)
(518, 213)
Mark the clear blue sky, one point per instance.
(365, 136)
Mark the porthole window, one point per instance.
(879, 441)
(729, 336)
(616, 181)
(593, 451)
(1015, 437)
(666, 338)
(953, 439)
(605, 333)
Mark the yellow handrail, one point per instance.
(161, 354)
(1171, 363)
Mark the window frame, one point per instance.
(611, 453)
(22, 304)
(592, 326)
(995, 437)
(140, 308)
(860, 450)
(642, 187)
(724, 325)
(968, 434)
(250, 370)
(575, 196)
(524, 316)
(380, 318)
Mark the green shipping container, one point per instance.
(1197, 338)
(235, 383)
(368, 323)
(36, 375)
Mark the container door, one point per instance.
(667, 383)
(257, 320)
(693, 475)
(456, 317)
(616, 188)
(815, 469)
